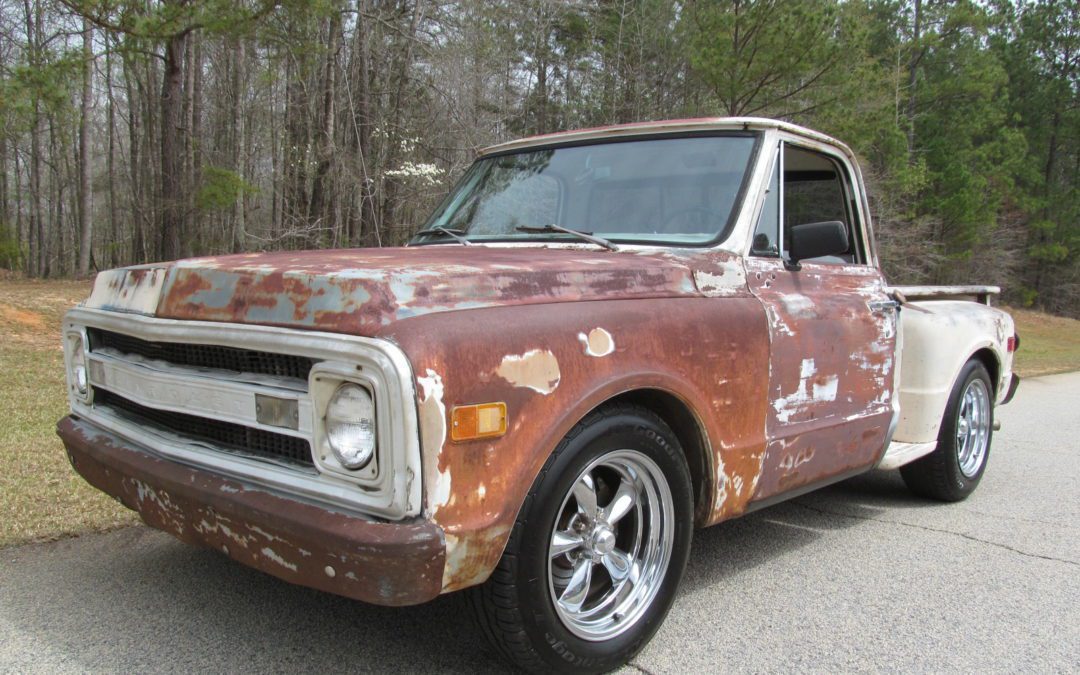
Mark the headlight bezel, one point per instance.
(325, 380)
(76, 355)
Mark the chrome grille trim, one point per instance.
(392, 491)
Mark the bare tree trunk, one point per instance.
(35, 226)
(318, 206)
(110, 158)
(173, 198)
(239, 235)
(135, 164)
(360, 139)
(913, 80)
(86, 231)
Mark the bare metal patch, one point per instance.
(598, 342)
(433, 433)
(537, 369)
(810, 391)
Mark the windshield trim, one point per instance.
(722, 236)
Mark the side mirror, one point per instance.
(813, 240)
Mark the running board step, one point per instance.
(900, 454)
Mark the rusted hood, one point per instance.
(361, 291)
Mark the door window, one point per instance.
(815, 191)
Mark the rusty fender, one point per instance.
(376, 562)
(552, 364)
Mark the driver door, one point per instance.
(832, 333)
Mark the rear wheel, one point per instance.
(597, 551)
(954, 469)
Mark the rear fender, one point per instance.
(939, 337)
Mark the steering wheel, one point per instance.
(704, 216)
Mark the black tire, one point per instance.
(515, 608)
(939, 475)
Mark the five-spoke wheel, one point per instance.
(611, 544)
(973, 427)
(953, 470)
(598, 549)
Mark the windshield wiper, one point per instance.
(587, 236)
(446, 232)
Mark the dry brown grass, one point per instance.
(41, 498)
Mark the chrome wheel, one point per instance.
(973, 427)
(611, 545)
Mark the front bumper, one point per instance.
(377, 562)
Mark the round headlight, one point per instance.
(350, 426)
(78, 365)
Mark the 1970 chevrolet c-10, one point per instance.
(601, 340)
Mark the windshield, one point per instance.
(668, 190)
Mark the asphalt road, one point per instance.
(857, 577)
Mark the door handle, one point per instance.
(882, 306)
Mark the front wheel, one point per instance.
(598, 549)
(954, 469)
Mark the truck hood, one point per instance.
(363, 291)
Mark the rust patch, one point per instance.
(381, 563)
(362, 291)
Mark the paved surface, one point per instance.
(857, 577)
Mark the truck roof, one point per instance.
(662, 127)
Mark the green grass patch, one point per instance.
(1048, 344)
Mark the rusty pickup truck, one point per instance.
(600, 340)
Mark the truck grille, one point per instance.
(228, 436)
(204, 356)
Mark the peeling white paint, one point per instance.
(777, 322)
(537, 369)
(263, 533)
(273, 555)
(716, 285)
(598, 342)
(205, 527)
(129, 289)
(433, 428)
(798, 305)
(807, 394)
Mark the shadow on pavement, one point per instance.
(166, 606)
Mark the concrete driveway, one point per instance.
(857, 577)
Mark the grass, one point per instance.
(41, 498)
(1048, 344)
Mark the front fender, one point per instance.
(551, 365)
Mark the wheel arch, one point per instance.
(690, 432)
(990, 361)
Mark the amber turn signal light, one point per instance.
(484, 420)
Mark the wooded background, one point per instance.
(142, 130)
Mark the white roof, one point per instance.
(666, 126)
